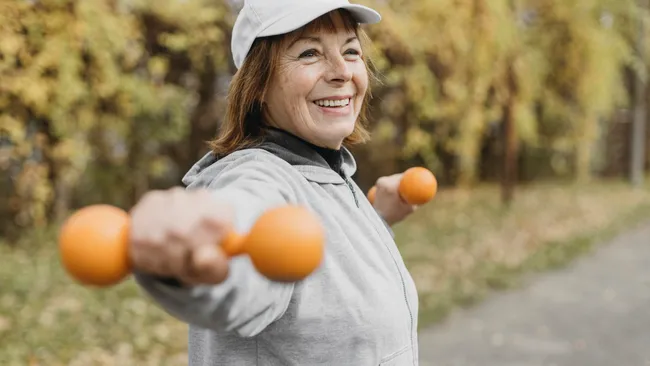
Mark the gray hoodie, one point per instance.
(358, 308)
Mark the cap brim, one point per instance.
(304, 15)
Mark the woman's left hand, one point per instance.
(388, 202)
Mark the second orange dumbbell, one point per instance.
(417, 186)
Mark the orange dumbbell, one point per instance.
(284, 244)
(417, 186)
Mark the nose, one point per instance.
(338, 70)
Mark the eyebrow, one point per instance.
(318, 40)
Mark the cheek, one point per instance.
(297, 87)
(360, 79)
(299, 83)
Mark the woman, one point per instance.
(299, 95)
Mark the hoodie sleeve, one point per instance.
(246, 302)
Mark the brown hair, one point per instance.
(243, 124)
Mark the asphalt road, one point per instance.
(595, 312)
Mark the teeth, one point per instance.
(333, 103)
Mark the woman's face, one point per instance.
(319, 86)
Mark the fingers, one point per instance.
(206, 262)
(389, 182)
(207, 265)
(177, 233)
(388, 185)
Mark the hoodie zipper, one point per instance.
(347, 181)
(401, 276)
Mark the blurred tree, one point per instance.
(453, 69)
(91, 92)
(587, 53)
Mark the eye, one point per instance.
(309, 53)
(352, 54)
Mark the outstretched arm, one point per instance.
(246, 302)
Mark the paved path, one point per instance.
(594, 313)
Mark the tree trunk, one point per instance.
(204, 122)
(60, 203)
(584, 148)
(138, 172)
(510, 141)
(638, 137)
(509, 177)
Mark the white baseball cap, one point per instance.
(263, 18)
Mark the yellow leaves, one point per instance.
(71, 157)
(586, 54)
(175, 42)
(34, 92)
(105, 25)
(88, 73)
(392, 106)
(73, 151)
(420, 84)
(158, 67)
(526, 122)
(100, 70)
(600, 83)
(417, 141)
(12, 128)
(69, 88)
(159, 166)
(467, 144)
(184, 13)
(213, 34)
(33, 192)
(10, 44)
(60, 20)
(552, 63)
(392, 42)
(209, 15)
(385, 130)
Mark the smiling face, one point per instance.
(318, 88)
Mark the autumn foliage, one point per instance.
(101, 100)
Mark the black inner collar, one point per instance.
(333, 157)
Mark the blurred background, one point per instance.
(531, 113)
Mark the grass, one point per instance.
(465, 244)
(458, 248)
(45, 319)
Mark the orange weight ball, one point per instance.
(371, 194)
(418, 186)
(93, 245)
(284, 244)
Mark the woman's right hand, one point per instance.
(176, 233)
